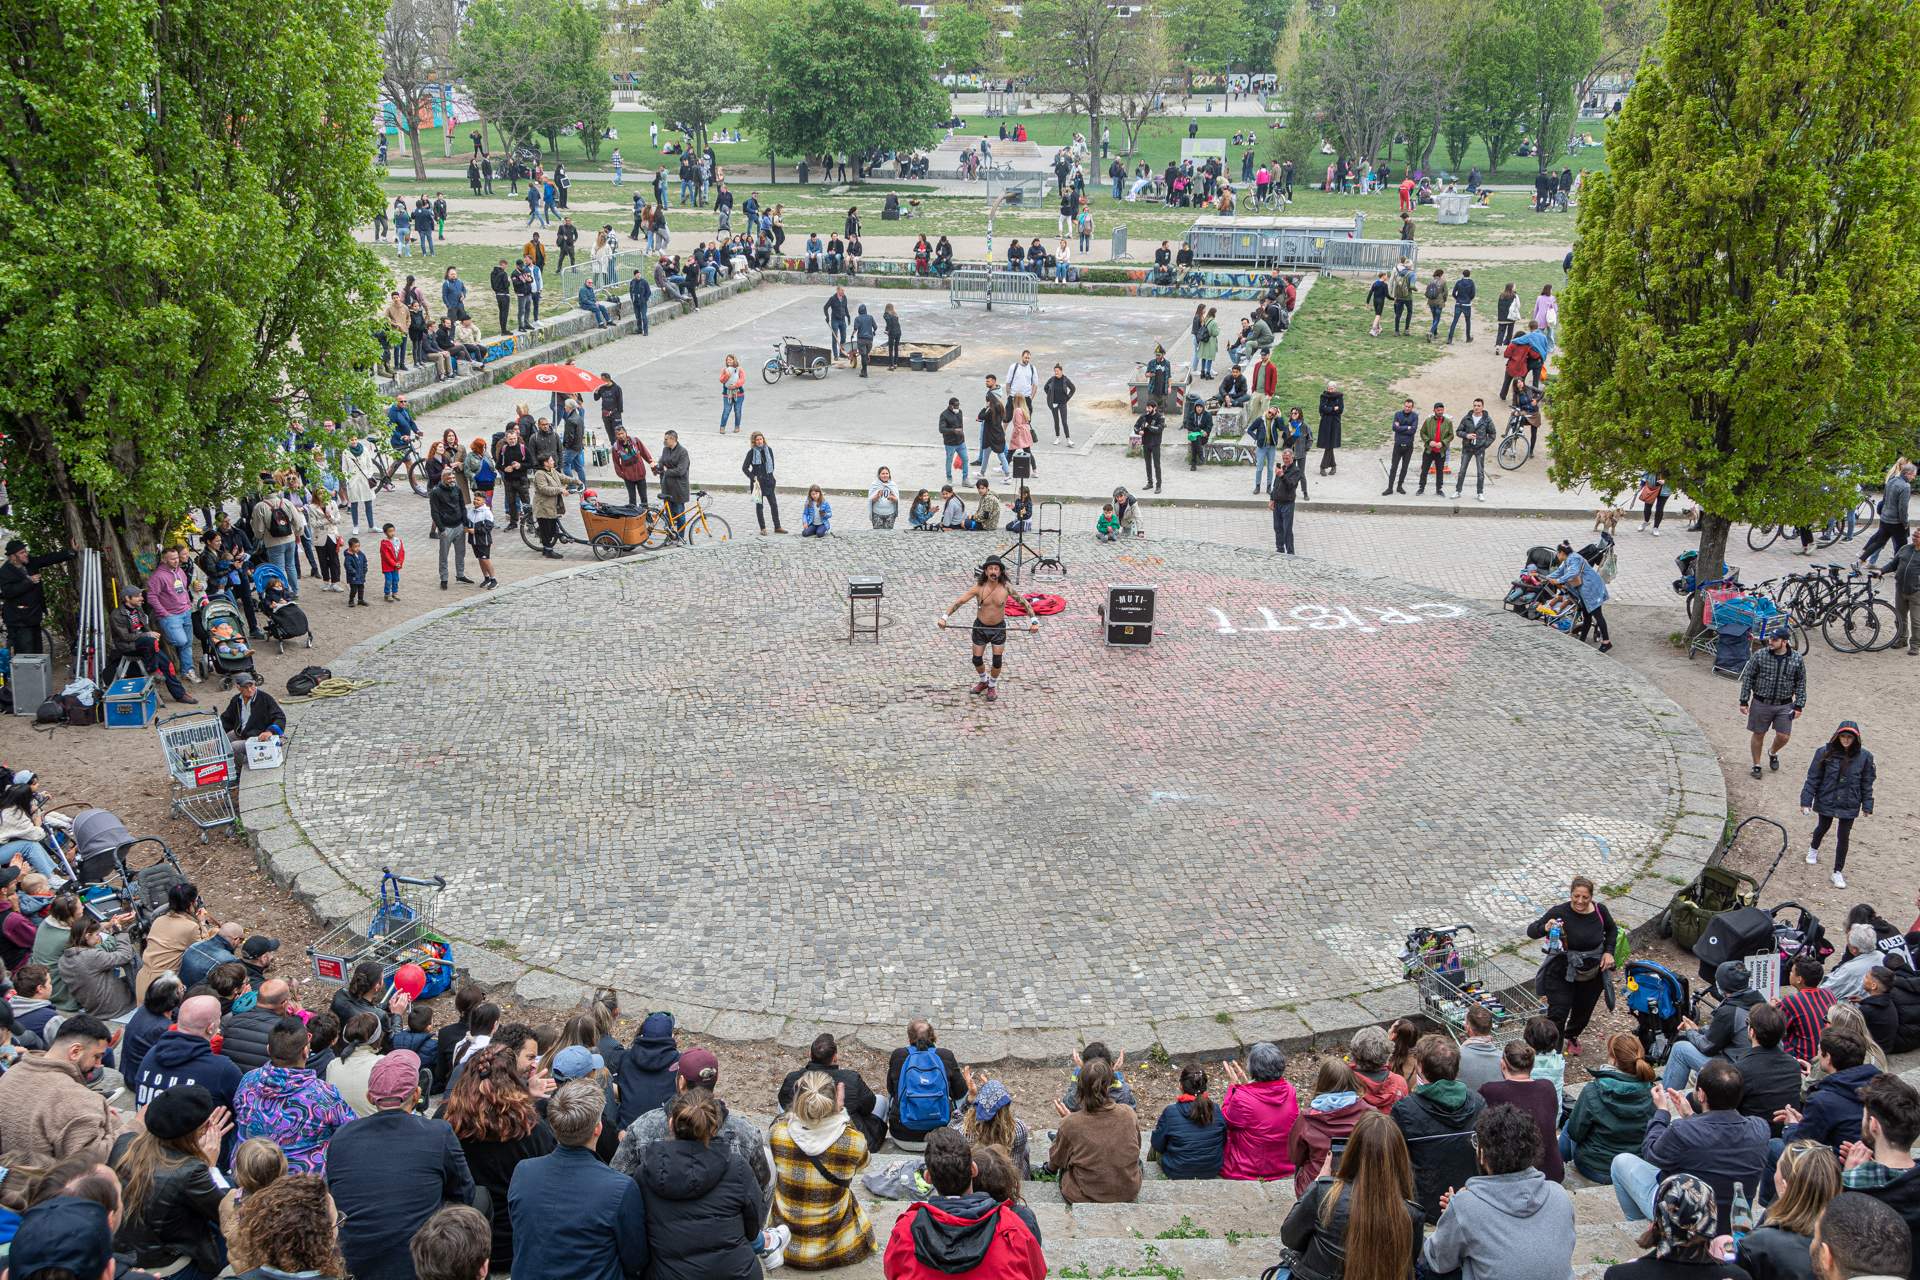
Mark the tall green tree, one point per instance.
(1741, 316)
(692, 67)
(1558, 43)
(1493, 100)
(964, 38)
(1074, 47)
(848, 75)
(537, 67)
(414, 43)
(1210, 35)
(1370, 67)
(179, 185)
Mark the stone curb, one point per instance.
(284, 851)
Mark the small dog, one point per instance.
(1607, 519)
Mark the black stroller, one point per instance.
(95, 855)
(1752, 931)
(286, 620)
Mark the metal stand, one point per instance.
(859, 592)
(1050, 561)
(1020, 553)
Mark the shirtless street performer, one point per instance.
(989, 593)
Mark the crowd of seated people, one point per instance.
(168, 1095)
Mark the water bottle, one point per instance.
(1740, 1217)
(1554, 945)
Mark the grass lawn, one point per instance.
(1159, 143)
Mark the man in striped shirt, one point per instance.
(1805, 1008)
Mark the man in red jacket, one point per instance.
(943, 1236)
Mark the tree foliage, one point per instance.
(536, 67)
(1209, 35)
(1558, 42)
(849, 75)
(1141, 78)
(202, 165)
(692, 67)
(416, 44)
(1364, 72)
(1741, 316)
(1074, 47)
(964, 38)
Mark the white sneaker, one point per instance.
(1479, 497)
(1813, 856)
(1839, 881)
(772, 1243)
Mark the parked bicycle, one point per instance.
(1516, 446)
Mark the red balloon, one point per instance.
(410, 978)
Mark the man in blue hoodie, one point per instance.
(646, 1069)
(185, 1056)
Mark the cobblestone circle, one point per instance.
(675, 775)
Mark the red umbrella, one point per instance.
(566, 379)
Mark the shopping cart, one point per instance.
(391, 932)
(1450, 979)
(200, 758)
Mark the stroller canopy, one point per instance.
(97, 831)
(1654, 989)
(265, 573)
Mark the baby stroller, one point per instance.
(285, 618)
(223, 633)
(1658, 998)
(1751, 931)
(98, 855)
(1718, 888)
(1528, 589)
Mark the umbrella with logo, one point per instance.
(563, 379)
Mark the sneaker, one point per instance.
(1573, 1047)
(980, 686)
(1479, 497)
(1773, 763)
(1756, 771)
(993, 692)
(773, 1242)
(1839, 881)
(1654, 532)
(1813, 856)
(193, 677)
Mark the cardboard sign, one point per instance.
(263, 755)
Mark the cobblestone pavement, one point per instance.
(675, 774)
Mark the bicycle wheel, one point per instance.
(417, 477)
(708, 527)
(1834, 626)
(772, 370)
(1827, 536)
(529, 534)
(607, 546)
(656, 528)
(1872, 622)
(1762, 536)
(1514, 452)
(819, 367)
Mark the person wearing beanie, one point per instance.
(646, 1069)
(391, 1171)
(65, 1235)
(1726, 1029)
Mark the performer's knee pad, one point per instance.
(979, 664)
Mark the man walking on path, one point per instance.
(1906, 596)
(1893, 514)
(1773, 693)
(1463, 291)
(1475, 434)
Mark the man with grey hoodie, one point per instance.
(1479, 1054)
(1509, 1223)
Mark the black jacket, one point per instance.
(1059, 389)
(181, 1217)
(646, 1077)
(836, 309)
(1332, 405)
(703, 1212)
(613, 401)
(566, 235)
(1322, 1250)
(953, 428)
(447, 507)
(1150, 425)
(1771, 1253)
(1837, 784)
(389, 1172)
(1727, 1028)
(860, 1100)
(243, 1037)
(22, 602)
(674, 466)
(499, 281)
(1902, 1195)
(1437, 1141)
(250, 720)
(1772, 1080)
(543, 445)
(1286, 484)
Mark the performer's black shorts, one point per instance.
(995, 635)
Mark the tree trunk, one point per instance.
(1714, 531)
(413, 145)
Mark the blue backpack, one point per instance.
(923, 1104)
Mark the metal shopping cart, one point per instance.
(391, 932)
(1447, 970)
(200, 758)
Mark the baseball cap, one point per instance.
(65, 1233)
(575, 1061)
(14, 544)
(258, 945)
(245, 677)
(699, 1068)
(394, 1078)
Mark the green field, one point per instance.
(1159, 143)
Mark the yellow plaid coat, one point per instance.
(830, 1227)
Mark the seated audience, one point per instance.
(1769, 1075)
(1805, 1179)
(993, 1173)
(170, 1192)
(1326, 1123)
(1369, 1052)
(1847, 980)
(286, 1102)
(1507, 1222)
(646, 1073)
(960, 1230)
(1542, 1035)
(1685, 1212)
(1805, 1007)
(704, 1209)
(573, 1216)
(244, 1035)
(352, 1066)
(1096, 1151)
(455, 1244)
(1611, 1114)
(1726, 1029)
(150, 1021)
(698, 1069)
(1437, 1121)
(1857, 1238)
(185, 1056)
(1260, 1109)
(287, 1229)
(989, 1121)
(923, 1083)
(257, 1164)
(1190, 1138)
(861, 1104)
(1121, 1092)
(1716, 1144)
(493, 1115)
(1361, 1219)
(1881, 1163)
(1479, 1051)
(47, 1112)
(1831, 1113)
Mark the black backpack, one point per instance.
(308, 679)
(279, 523)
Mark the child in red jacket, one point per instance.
(393, 554)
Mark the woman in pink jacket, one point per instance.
(1260, 1110)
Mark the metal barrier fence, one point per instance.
(1367, 255)
(1255, 242)
(971, 283)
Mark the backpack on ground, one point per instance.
(279, 521)
(306, 681)
(923, 1104)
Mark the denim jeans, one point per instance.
(1263, 459)
(956, 453)
(426, 241)
(283, 558)
(177, 628)
(1116, 188)
(355, 508)
(1461, 309)
(731, 405)
(32, 851)
(1634, 1182)
(1682, 1061)
(573, 462)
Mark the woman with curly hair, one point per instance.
(288, 1228)
(492, 1114)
